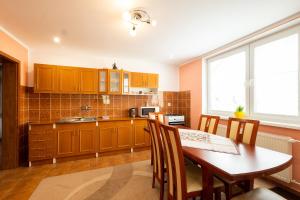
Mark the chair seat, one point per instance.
(259, 194)
(194, 179)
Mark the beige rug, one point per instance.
(131, 181)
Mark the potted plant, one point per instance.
(239, 112)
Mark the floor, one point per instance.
(21, 182)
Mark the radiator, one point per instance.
(274, 142)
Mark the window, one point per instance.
(227, 75)
(270, 91)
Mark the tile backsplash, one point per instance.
(51, 107)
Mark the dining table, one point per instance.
(248, 163)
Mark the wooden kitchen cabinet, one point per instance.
(45, 78)
(41, 142)
(126, 82)
(107, 136)
(103, 81)
(88, 81)
(86, 138)
(68, 79)
(65, 140)
(152, 80)
(141, 138)
(124, 134)
(136, 79)
(114, 81)
(143, 80)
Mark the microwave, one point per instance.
(144, 111)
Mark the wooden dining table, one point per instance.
(251, 162)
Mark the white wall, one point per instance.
(168, 74)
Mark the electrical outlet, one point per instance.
(169, 104)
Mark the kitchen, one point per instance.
(126, 99)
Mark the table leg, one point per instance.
(207, 183)
(249, 185)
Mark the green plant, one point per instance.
(239, 109)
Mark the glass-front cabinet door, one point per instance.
(103, 80)
(115, 81)
(126, 81)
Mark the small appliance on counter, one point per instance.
(132, 112)
(174, 119)
(144, 111)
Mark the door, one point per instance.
(107, 136)
(66, 134)
(124, 134)
(126, 81)
(153, 80)
(141, 137)
(44, 78)
(136, 79)
(88, 81)
(10, 125)
(103, 81)
(41, 142)
(87, 138)
(68, 79)
(115, 81)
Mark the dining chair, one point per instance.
(158, 164)
(244, 131)
(183, 181)
(208, 123)
(259, 194)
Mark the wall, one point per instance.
(190, 78)
(168, 74)
(12, 47)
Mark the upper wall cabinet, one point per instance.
(88, 81)
(143, 80)
(103, 81)
(61, 79)
(45, 78)
(152, 80)
(115, 81)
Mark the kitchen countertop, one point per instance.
(99, 119)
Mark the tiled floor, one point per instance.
(21, 182)
(18, 184)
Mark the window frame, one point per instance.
(249, 89)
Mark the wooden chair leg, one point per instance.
(153, 181)
(161, 196)
(151, 151)
(228, 191)
(218, 194)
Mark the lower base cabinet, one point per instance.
(48, 141)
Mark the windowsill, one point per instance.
(274, 124)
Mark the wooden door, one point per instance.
(86, 138)
(10, 125)
(124, 134)
(152, 80)
(103, 81)
(140, 138)
(136, 79)
(68, 79)
(65, 141)
(45, 79)
(107, 136)
(41, 142)
(144, 80)
(88, 81)
(115, 81)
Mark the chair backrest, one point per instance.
(242, 130)
(157, 115)
(175, 161)
(208, 123)
(158, 163)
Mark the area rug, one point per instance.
(123, 182)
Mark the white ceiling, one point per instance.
(185, 29)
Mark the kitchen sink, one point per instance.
(77, 120)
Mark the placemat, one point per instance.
(207, 141)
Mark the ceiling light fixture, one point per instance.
(136, 17)
(56, 40)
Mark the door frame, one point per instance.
(14, 141)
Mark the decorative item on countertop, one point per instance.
(239, 112)
(115, 66)
(106, 101)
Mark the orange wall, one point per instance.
(12, 48)
(190, 78)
